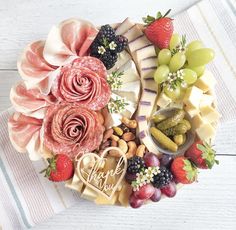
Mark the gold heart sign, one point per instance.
(103, 182)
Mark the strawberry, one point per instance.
(60, 168)
(202, 155)
(159, 30)
(183, 170)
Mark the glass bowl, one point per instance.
(190, 135)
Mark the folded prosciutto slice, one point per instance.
(71, 37)
(33, 68)
(24, 133)
(30, 102)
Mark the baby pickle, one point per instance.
(172, 121)
(158, 118)
(176, 130)
(165, 141)
(186, 123)
(179, 139)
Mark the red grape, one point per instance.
(166, 160)
(169, 190)
(156, 195)
(151, 160)
(145, 192)
(135, 202)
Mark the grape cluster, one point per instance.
(181, 65)
(107, 45)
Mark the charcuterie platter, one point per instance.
(123, 113)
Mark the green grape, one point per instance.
(177, 61)
(161, 73)
(189, 76)
(200, 57)
(173, 94)
(199, 70)
(194, 45)
(174, 41)
(164, 57)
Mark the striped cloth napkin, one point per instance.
(27, 198)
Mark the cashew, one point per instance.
(122, 145)
(107, 134)
(129, 123)
(132, 149)
(118, 131)
(114, 137)
(128, 136)
(140, 150)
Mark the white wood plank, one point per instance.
(7, 80)
(206, 205)
(23, 21)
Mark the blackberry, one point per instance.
(94, 49)
(135, 164)
(121, 43)
(106, 32)
(109, 59)
(163, 178)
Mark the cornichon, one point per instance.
(176, 130)
(179, 139)
(186, 122)
(158, 118)
(172, 121)
(165, 141)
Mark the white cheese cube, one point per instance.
(191, 111)
(193, 97)
(206, 100)
(89, 194)
(75, 183)
(209, 114)
(206, 132)
(197, 121)
(206, 81)
(163, 101)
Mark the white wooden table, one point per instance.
(209, 204)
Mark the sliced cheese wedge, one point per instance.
(89, 194)
(133, 33)
(124, 26)
(138, 43)
(144, 53)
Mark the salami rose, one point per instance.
(72, 130)
(83, 82)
